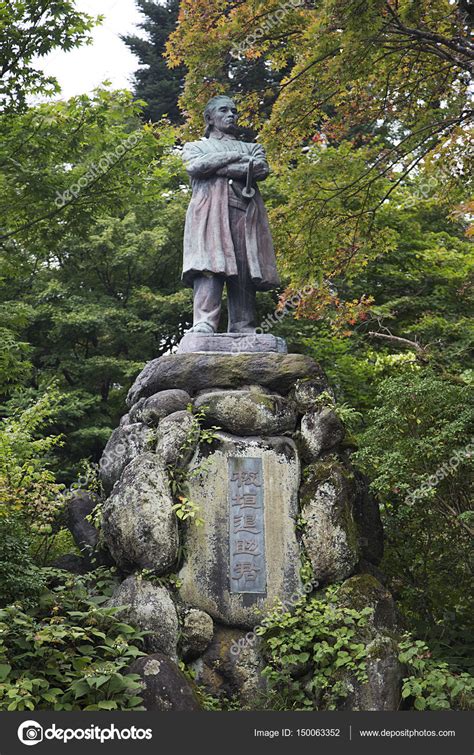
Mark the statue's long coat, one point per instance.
(208, 245)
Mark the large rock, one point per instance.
(165, 688)
(321, 430)
(307, 391)
(149, 608)
(159, 406)
(232, 667)
(73, 563)
(369, 523)
(330, 535)
(87, 538)
(382, 688)
(139, 526)
(125, 443)
(248, 412)
(364, 590)
(196, 372)
(178, 436)
(206, 573)
(197, 631)
(81, 505)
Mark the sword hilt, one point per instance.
(249, 191)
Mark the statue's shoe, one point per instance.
(202, 327)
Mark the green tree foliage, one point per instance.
(30, 29)
(20, 577)
(31, 500)
(405, 362)
(417, 449)
(154, 82)
(27, 487)
(161, 85)
(374, 90)
(419, 311)
(96, 265)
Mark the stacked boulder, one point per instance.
(188, 414)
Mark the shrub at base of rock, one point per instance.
(165, 688)
(139, 524)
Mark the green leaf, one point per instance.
(5, 669)
(107, 705)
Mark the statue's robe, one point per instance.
(208, 245)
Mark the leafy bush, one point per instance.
(311, 650)
(31, 501)
(417, 450)
(28, 490)
(20, 578)
(432, 685)
(69, 653)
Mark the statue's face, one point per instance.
(224, 116)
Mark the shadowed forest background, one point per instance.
(365, 111)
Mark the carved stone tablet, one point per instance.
(246, 490)
(246, 526)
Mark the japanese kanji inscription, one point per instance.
(246, 526)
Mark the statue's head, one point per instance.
(220, 113)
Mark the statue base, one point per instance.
(269, 474)
(232, 343)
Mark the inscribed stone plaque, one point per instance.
(246, 526)
(206, 573)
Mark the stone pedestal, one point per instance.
(269, 505)
(232, 343)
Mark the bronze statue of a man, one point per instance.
(227, 237)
